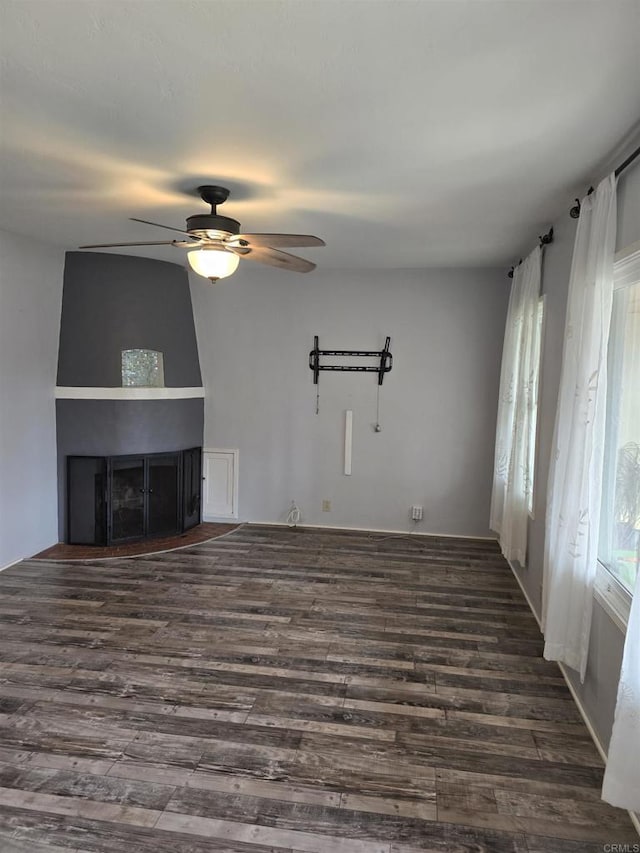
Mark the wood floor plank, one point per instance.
(260, 788)
(101, 788)
(565, 829)
(285, 690)
(309, 842)
(557, 809)
(516, 783)
(80, 807)
(98, 836)
(17, 845)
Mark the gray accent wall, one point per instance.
(120, 427)
(116, 302)
(30, 298)
(110, 303)
(437, 406)
(116, 427)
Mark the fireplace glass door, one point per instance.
(192, 487)
(128, 493)
(163, 483)
(145, 499)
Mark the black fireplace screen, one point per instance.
(86, 500)
(124, 498)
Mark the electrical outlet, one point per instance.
(326, 506)
(416, 513)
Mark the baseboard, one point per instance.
(411, 533)
(635, 819)
(526, 595)
(583, 711)
(28, 556)
(221, 519)
(14, 563)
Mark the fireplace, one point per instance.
(117, 499)
(129, 401)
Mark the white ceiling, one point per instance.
(406, 133)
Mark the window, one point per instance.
(619, 544)
(142, 368)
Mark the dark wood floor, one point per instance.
(289, 690)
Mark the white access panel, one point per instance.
(220, 484)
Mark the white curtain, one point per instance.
(515, 433)
(622, 775)
(575, 477)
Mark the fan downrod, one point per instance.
(213, 195)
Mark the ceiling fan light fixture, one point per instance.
(213, 262)
(216, 243)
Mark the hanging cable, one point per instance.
(377, 427)
(294, 515)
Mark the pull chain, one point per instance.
(377, 427)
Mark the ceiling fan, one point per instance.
(215, 245)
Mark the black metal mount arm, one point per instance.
(386, 360)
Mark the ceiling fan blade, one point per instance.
(272, 240)
(115, 245)
(274, 258)
(157, 225)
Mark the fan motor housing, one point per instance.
(212, 222)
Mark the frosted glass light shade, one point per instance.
(213, 263)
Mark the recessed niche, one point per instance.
(142, 368)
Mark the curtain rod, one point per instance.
(574, 213)
(634, 155)
(544, 239)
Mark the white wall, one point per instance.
(438, 404)
(30, 301)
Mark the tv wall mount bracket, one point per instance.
(384, 366)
